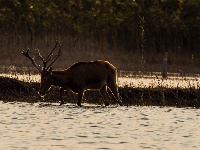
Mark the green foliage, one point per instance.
(169, 24)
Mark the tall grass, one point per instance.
(86, 49)
(142, 41)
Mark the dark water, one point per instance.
(49, 126)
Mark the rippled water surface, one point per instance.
(49, 126)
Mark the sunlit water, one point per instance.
(49, 126)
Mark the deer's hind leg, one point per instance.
(61, 96)
(114, 91)
(80, 96)
(104, 94)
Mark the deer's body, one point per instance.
(95, 75)
(85, 75)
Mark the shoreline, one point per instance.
(15, 90)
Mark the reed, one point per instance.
(86, 49)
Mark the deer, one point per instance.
(80, 77)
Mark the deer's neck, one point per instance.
(59, 78)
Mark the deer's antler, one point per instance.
(50, 55)
(45, 61)
(25, 53)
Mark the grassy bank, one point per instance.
(15, 90)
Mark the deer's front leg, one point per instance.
(80, 96)
(61, 96)
(105, 95)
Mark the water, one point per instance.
(49, 126)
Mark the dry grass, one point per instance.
(82, 49)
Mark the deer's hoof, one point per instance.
(107, 104)
(61, 103)
(79, 104)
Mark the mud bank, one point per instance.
(15, 90)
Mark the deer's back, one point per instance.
(91, 72)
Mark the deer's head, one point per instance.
(46, 70)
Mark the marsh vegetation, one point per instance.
(132, 35)
(140, 91)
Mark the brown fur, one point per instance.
(82, 76)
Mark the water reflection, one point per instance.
(49, 126)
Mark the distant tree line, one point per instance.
(155, 25)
